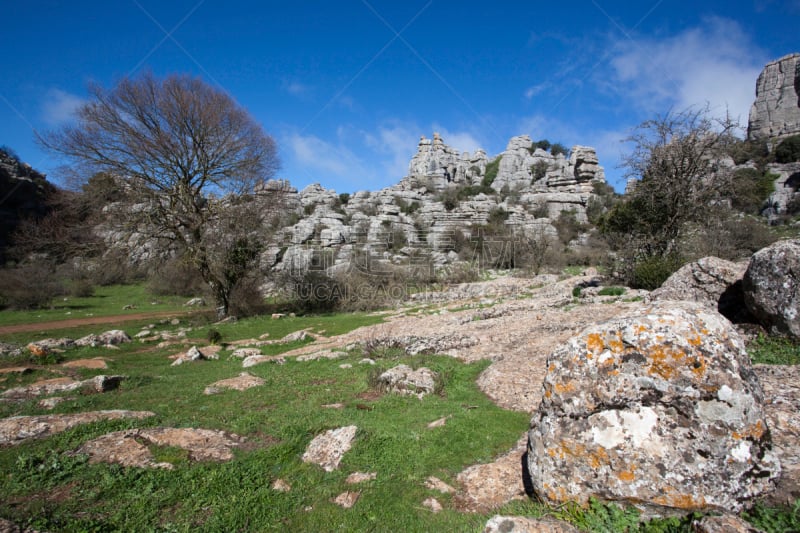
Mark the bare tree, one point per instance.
(677, 162)
(180, 146)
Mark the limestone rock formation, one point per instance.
(406, 380)
(776, 110)
(772, 287)
(19, 429)
(711, 281)
(660, 408)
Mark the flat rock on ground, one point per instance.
(327, 449)
(131, 447)
(243, 381)
(19, 429)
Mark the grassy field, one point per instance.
(45, 486)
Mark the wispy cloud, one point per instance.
(296, 88)
(59, 107)
(716, 63)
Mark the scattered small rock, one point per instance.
(360, 477)
(323, 354)
(432, 504)
(345, 366)
(367, 361)
(195, 302)
(438, 423)
(723, 524)
(254, 360)
(242, 382)
(281, 486)
(347, 499)
(333, 406)
(243, 353)
(277, 316)
(523, 524)
(434, 483)
(327, 449)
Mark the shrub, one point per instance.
(176, 277)
(491, 172)
(567, 226)
(611, 291)
(213, 336)
(344, 198)
(246, 298)
(557, 148)
(744, 151)
(788, 150)
(651, 272)
(576, 291)
(750, 189)
(539, 170)
(31, 286)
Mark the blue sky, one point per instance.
(347, 87)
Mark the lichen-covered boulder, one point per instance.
(659, 408)
(712, 281)
(772, 287)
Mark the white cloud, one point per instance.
(716, 63)
(59, 107)
(316, 155)
(295, 88)
(530, 92)
(395, 144)
(463, 141)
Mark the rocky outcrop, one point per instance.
(438, 165)
(776, 110)
(660, 409)
(711, 281)
(405, 380)
(25, 194)
(772, 287)
(19, 429)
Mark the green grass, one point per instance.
(107, 301)
(611, 291)
(774, 351)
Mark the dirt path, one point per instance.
(88, 321)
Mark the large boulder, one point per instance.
(772, 287)
(776, 110)
(711, 281)
(659, 408)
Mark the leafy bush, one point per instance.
(651, 272)
(750, 189)
(576, 291)
(775, 520)
(491, 172)
(557, 149)
(611, 291)
(213, 336)
(744, 151)
(788, 151)
(407, 208)
(568, 227)
(344, 198)
(539, 170)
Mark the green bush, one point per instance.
(611, 291)
(651, 272)
(774, 351)
(344, 198)
(539, 170)
(750, 189)
(558, 148)
(491, 172)
(788, 150)
(744, 151)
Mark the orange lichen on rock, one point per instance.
(627, 476)
(663, 361)
(754, 432)
(561, 388)
(672, 498)
(594, 343)
(598, 457)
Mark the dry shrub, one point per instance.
(30, 286)
(176, 277)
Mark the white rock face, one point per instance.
(328, 449)
(776, 110)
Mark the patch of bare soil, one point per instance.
(88, 321)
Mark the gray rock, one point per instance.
(523, 524)
(660, 408)
(113, 337)
(406, 380)
(328, 449)
(711, 281)
(772, 287)
(723, 524)
(195, 302)
(776, 110)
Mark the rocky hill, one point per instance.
(775, 114)
(23, 193)
(447, 196)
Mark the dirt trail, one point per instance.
(88, 321)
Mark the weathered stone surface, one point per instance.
(19, 429)
(51, 386)
(243, 381)
(723, 524)
(434, 483)
(243, 353)
(113, 337)
(432, 504)
(327, 449)
(489, 486)
(523, 524)
(281, 485)
(711, 281)
(772, 287)
(197, 354)
(360, 477)
(660, 408)
(776, 110)
(96, 363)
(254, 360)
(406, 380)
(131, 447)
(347, 499)
(48, 345)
